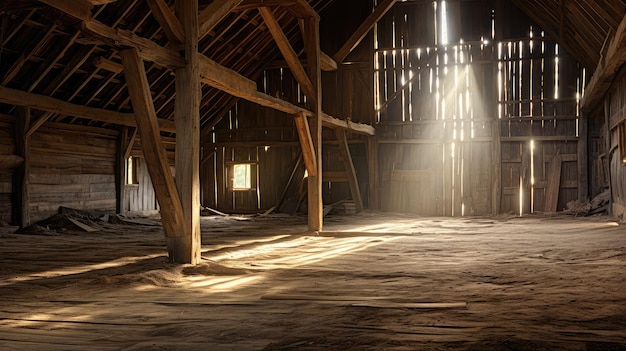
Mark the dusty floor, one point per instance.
(371, 282)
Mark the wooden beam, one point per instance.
(101, 2)
(108, 65)
(121, 39)
(327, 63)
(46, 103)
(373, 173)
(308, 153)
(186, 249)
(153, 150)
(311, 37)
(229, 81)
(288, 53)
(38, 123)
(363, 29)
(213, 14)
(9, 162)
(606, 69)
(80, 9)
(359, 128)
(171, 26)
(344, 149)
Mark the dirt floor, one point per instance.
(370, 282)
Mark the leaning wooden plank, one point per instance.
(46, 103)
(554, 183)
(363, 29)
(154, 153)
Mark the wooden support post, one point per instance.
(344, 149)
(187, 115)
(154, 153)
(496, 164)
(312, 48)
(308, 153)
(583, 169)
(22, 174)
(120, 170)
(372, 165)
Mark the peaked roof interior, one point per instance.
(44, 51)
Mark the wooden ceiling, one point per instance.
(44, 51)
(580, 26)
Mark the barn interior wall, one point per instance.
(608, 162)
(489, 90)
(70, 165)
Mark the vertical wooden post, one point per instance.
(121, 171)
(187, 114)
(496, 164)
(607, 148)
(344, 149)
(583, 180)
(312, 48)
(22, 143)
(372, 163)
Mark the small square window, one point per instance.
(242, 176)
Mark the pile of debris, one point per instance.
(599, 205)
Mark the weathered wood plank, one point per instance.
(554, 184)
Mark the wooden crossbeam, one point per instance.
(108, 65)
(171, 26)
(308, 150)
(363, 29)
(46, 103)
(606, 69)
(213, 14)
(153, 150)
(288, 53)
(119, 38)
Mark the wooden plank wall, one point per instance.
(140, 197)
(613, 131)
(7, 147)
(538, 110)
(436, 134)
(443, 120)
(72, 166)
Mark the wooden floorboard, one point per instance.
(372, 281)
